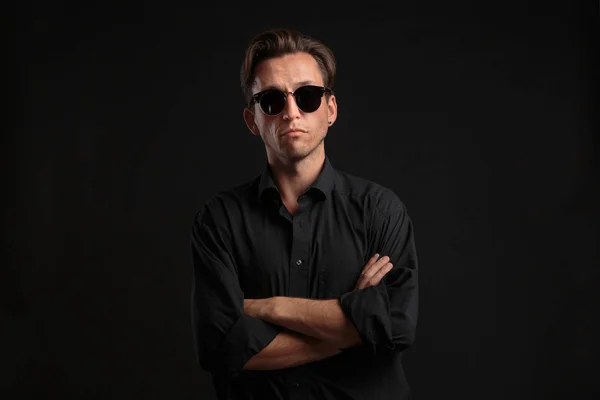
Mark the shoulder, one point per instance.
(227, 202)
(369, 194)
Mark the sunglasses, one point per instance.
(272, 101)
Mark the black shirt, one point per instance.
(245, 244)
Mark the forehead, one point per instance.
(287, 72)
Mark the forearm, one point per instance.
(290, 350)
(320, 319)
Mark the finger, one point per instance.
(373, 268)
(370, 262)
(374, 281)
(369, 273)
(366, 268)
(374, 262)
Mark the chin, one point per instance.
(298, 151)
(299, 154)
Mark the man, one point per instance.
(305, 279)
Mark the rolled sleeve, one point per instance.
(385, 315)
(225, 338)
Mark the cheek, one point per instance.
(269, 132)
(265, 126)
(260, 121)
(320, 122)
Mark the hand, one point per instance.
(373, 272)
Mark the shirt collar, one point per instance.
(323, 185)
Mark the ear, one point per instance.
(250, 122)
(331, 110)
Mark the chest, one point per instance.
(318, 253)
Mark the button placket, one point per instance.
(299, 256)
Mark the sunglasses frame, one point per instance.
(256, 97)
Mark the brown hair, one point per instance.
(278, 42)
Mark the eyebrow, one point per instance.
(297, 85)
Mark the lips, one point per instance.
(293, 131)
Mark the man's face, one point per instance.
(287, 73)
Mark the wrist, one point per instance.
(263, 309)
(271, 309)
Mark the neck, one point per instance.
(293, 177)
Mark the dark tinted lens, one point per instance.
(308, 98)
(272, 102)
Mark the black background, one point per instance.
(480, 117)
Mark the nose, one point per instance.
(291, 110)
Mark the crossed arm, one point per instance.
(318, 328)
(279, 332)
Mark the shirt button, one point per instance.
(299, 262)
(297, 384)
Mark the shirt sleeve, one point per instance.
(385, 315)
(225, 338)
